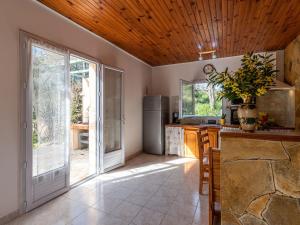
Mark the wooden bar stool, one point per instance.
(214, 187)
(203, 145)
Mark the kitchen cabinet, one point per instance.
(191, 143)
(174, 141)
(191, 140)
(213, 134)
(188, 139)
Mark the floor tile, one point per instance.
(149, 190)
(95, 217)
(160, 204)
(167, 192)
(174, 220)
(126, 211)
(148, 217)
(59, 211)
(191, 198)
(201, 214)
(120, 193)
(107, 204)
(184, 211)
(84, 195)
(132, 183)
(138, 198)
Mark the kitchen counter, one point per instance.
(193, 125)
(260, 182)
(274, 134)
(216, 126)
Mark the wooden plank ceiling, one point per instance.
(170, 31)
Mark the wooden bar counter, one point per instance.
(260, 177)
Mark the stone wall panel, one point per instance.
(244, 181)
(282, 210)
(287, 173)
(258, 205)
(229, 219)
(260, 182)
(248, 219)
(251, 149)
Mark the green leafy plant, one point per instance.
(223, 116)
(76, 104)
(254, 78)
(206, 102)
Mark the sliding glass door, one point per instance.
(83, 149)
(47, 122)
(73, 119)
(113, 119)
(61, 119)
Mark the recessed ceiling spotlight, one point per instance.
(214, 55)
(214, 44)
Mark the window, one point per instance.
(199, 99)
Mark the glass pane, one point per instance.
(48, 71)
(187, 99)
(83, 119)
(206, 101)
(112, 110)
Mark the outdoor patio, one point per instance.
(48, 158)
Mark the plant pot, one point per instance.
(222, 122)
(247, 115)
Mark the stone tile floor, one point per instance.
(149, 190)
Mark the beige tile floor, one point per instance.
(149, 190)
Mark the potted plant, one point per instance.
(222, 120)
(254, 78)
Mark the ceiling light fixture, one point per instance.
(212, 52)
(207, 52)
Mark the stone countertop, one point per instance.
(273, 135)
(216, 126)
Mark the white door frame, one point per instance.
(99, 128)
(29, 202)
(25, 103)
(102, 151)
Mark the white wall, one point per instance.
(166, 79)
(35, 18)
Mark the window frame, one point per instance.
(181, 83)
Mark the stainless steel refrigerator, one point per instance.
(155, 117)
